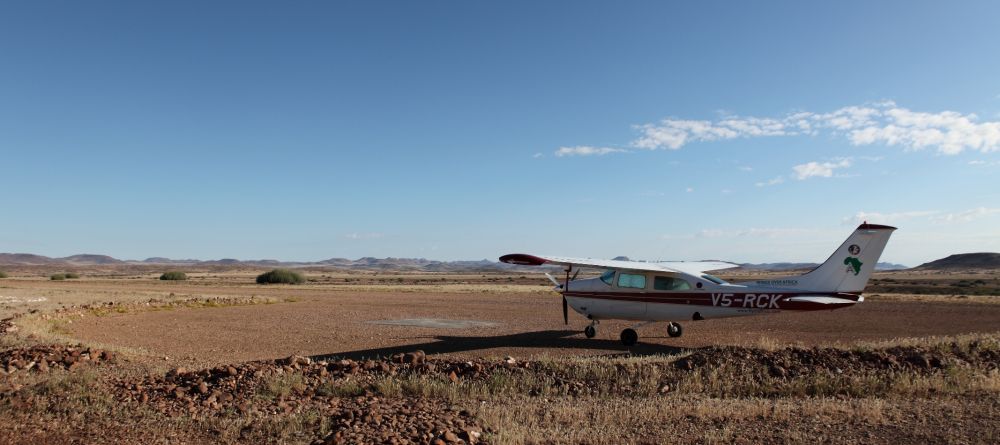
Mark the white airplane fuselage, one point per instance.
(596, 299)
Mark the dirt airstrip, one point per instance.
(349, 324)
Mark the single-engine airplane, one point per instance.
(672, 291)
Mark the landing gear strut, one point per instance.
(629, 337)
(674, 329)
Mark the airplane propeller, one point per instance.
(559, 287)
(554, 281)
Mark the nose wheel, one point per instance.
(674, 329)
(591, 330)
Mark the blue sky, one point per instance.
(466, 130)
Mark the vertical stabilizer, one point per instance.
(850, 266)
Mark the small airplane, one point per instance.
(683, 290)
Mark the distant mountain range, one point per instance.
(366, 263)
(959, 261)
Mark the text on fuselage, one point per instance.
(762, 301)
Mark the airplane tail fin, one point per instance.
(850, 266)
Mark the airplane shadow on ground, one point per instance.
(448, 344)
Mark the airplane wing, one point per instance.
(698, 267)
(686, 267)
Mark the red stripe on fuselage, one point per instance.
(757, 300)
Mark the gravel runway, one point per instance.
(340, 323)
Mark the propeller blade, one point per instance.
(554, 281)
(575, 274)
(565, 311)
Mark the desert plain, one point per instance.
(119, 356)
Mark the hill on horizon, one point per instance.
(979, 260)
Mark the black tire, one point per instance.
(590, 331)
(674, 329)
(629, 337)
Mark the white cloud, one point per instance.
(689, 190)
(754, 232)
(710, 233)
(537, 155)
(358, 236)
(933, 216)
(887, 218)
(984, 163)
(817, 169)
(585, 150)
(675, 133)
(746, 168)
(966, 216)
(773, 181)
(948, 132)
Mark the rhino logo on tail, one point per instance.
(854, 265)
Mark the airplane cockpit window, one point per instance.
(670, 283)
(608, 277)
(632, 280)
(714, 279)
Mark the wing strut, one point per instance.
(566, 289)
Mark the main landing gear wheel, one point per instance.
(674, 329)
(590, 331)
(629, 337)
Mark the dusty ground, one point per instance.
(573, 389)
(527, 326)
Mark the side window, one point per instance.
(635, 281)
(670, 283)
(608, 277)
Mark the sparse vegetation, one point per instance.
(64, 276)
(280, 386)
(280, 276)
(174, 276)
(3, 274)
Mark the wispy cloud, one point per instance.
(886, 123)
(819, 169)
(887, 218)
(932, 216)
(360, 236)
(586, 150)
(675, 133)
(757, 232)
(773, 181)
(980, 163)
(537, 155)
(966, 216)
